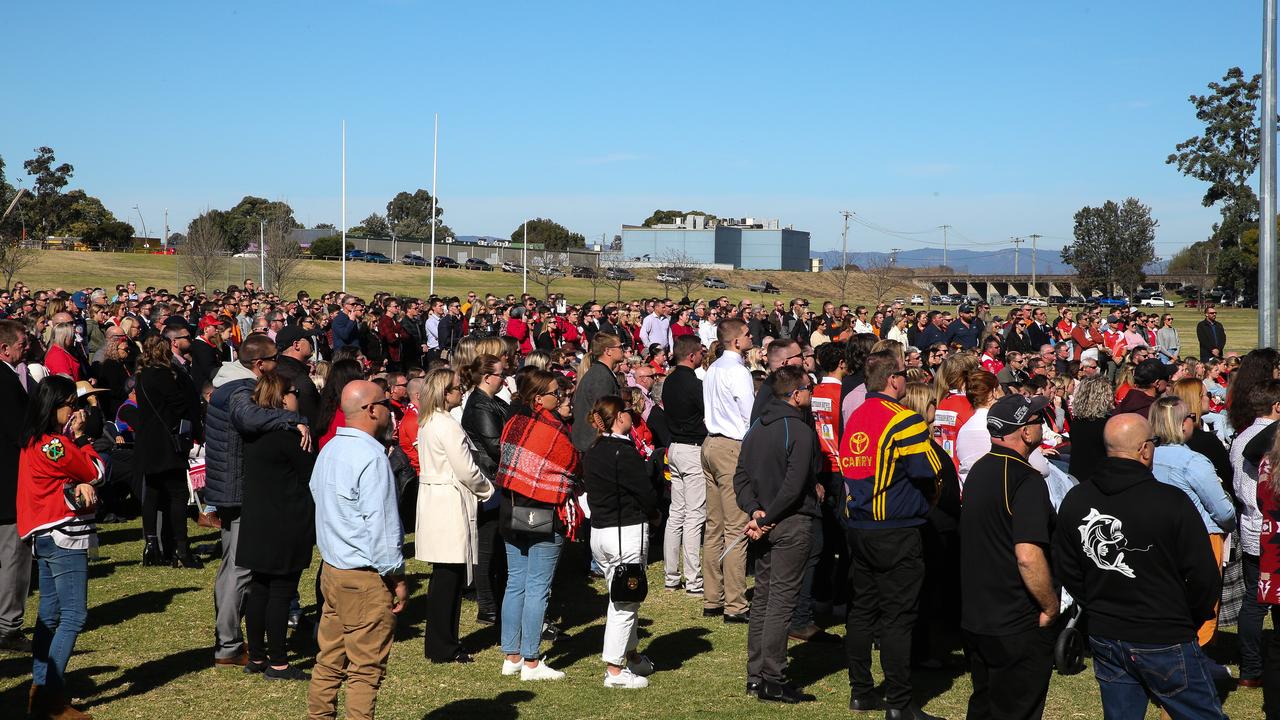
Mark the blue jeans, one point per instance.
(64, 588)
(1172, 675)
(530, 568)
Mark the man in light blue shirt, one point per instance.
(359, 535)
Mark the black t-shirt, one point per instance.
(1006, 502)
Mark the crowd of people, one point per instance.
(1025, 489)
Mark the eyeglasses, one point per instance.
(290, 391)
(559, 394)
(900, 373)
(384, 403)
(449, 389)
(1155, 441)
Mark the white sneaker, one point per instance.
(510, 668)
(541, 671)
(625, 679)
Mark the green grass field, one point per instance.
(72, 270)
(146, 654)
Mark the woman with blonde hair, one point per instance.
(58, 359)
(954, 409)
(1192, 393)
(1091, 406)
(1176, 464)
(450, 489)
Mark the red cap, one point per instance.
(208, 320)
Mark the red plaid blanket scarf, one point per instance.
(538, 459)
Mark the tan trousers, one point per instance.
(724, 584)
(356, 631)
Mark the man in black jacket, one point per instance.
(1133, 551)
(414, 349)
(1211, 334)
(295, 350)
(15, 556)
(774, 483)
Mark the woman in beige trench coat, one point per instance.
(449, 488)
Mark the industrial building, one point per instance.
(743, 243)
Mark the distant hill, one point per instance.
(996, 262)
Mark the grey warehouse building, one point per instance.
(745, 244)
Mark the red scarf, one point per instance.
(538, 459)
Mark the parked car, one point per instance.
(764, 287)
(712, 281)
(1109, 301)
(1156, 301)
(550, 271)
(582, 271)
(415, 260)
(617, 273)
(511, 267)
(376, 257)
(1076, 300)
(352, 254)
(917, 299)
(445, 261)
(944, 300)
(669, 278)
(477, 264)
(1037, 302)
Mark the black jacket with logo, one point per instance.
(1134, 552)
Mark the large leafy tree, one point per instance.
(110, 235)
(550, 234)
(80, 214)
(374, 226)
(240, 225)
(1112, 244)
(1225, 156)
(49, 180)
(409, 215)
(663, 217)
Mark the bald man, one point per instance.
(362, 577)
(1135, 553)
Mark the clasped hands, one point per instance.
(754, 530)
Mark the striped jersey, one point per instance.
(889, 465)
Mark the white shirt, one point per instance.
(1245, 481)
(707, 333)
(974, 440)
(860, 327)
(727, 396)
(656, 329)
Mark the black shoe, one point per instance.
(777, 692)
(16, 642)
(151, 555)
(712, 612)
(254, 668)
(487, 618)
(865, 704)
(753, 689)
(458, 657)
(908, 713)
(184, 559)
(739, 618)
(289, 673)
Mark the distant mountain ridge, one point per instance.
(993, 262)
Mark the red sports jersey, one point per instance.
(827, 420)
(953, 412)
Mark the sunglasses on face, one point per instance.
(384, 403)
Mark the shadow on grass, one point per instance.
(103, 569)
(153, 674)
(118, 535)
(126, 608)
(501, 707)
(673, 650)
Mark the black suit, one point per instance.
(15, 557)
(1039, 335)
(205, 362)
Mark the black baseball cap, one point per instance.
(1149, 371)
(289, 335)
(1012, 412)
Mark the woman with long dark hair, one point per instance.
(277, 531)
(57, 472)
(167, 402)
(1256, 367)
(331, 417)
(483, 418)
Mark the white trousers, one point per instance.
(620, 622)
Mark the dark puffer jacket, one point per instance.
(232, 416)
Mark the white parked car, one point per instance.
(1037, 302)
(917, 299)
(1156, 301)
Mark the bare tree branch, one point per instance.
(689, 273)
(14, 259)
(202, 253)
(283, 262)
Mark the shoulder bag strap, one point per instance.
(150, 404)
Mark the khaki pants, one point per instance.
(724, 584)
(356, 631)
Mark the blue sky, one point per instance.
(999, 118)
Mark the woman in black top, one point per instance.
(166, 397)
(622, 503)
(277, 531)
(483, 417)
(1091, 406)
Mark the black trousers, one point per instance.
(886, 572)
(1010, 674)
(491, 571)
(444, 609)
(266, 615)
(781, 558)
(1271, 668)
(166, 492)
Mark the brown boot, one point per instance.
(31, 698)
(53, 705)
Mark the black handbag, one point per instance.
(533, 522)
(630, 583)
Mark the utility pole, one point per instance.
(262, 255)
(1017, 245)
(1034, 238)
(893, 261)
(1267, 269)
(945, 228)
(844, 240)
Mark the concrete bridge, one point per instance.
(986, 286)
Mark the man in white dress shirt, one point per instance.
(727, 394)
(656, 329)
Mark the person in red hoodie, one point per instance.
(57, 472)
